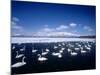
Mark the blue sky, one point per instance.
(32, 17)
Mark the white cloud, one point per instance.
(46, 29)
(13, 23)
(16, 27)
(15, 19)
(88, 28)
(56, 33)
(75, 31)
(46, 25)
(63, 34)
(73, 24)
(40, 34)
(62, 27)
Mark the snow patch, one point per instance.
(46, 40)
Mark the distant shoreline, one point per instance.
(53, 37)
(48, 40)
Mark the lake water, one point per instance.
(67, 62)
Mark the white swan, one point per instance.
(34, 50)
(57, 54)
(70, 45)
(69, 50)
(19, 55)
(19, 64)
(55, 47)
(88, 47)
(41, 58)
(79, 45)
(59, 44)
(77, 49)
(22, 49)
(47, 50)
(83, 51)
(62, 49)
(44, 53)
(73, 53)
(13, 47)
(63, 43)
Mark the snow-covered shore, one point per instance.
(42, 40)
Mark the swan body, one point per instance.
(89, 45)
(61, 51)
(19, 64)
(88, 48)
(63, 44)
(33, 51)
(73, 53)
(70, 45)
(69, 50)
(79, 45)
(41, 58)
(44, 53)
(55, 47)
(13, 47)
(22, 49)
(62, 48)
(19, 55)
(59, 45)
(47, 50)
(83, 51)
(77, 49)
(57, 54)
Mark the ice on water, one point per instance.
(44, 40)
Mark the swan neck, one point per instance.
(23, 59)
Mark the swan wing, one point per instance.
(18, 56)
(17, 64)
